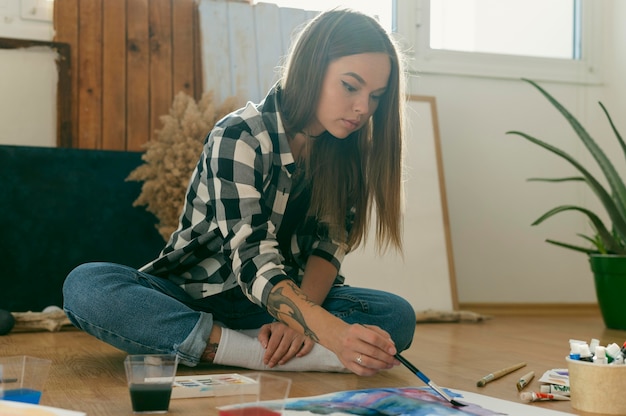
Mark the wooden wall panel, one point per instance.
(138, 73)
(114, 75)
(90, 82)
(243, 52)
(184, 43)
(268, 45)
(241, 56)
(215, 49)
(161, 65)
(67, 11)
(129, 59)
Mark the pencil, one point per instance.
(500, 373)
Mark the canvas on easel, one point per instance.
(425, 274)
(36, 77)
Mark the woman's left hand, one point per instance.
(282, 343)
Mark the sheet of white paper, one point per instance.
(17, 409)
(508, 407)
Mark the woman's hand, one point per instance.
(282, 343)
(365, 350)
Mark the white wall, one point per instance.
(26, 19)
(499, 257)
(28, 104)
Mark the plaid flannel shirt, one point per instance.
(233, 209)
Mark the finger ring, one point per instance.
(359, 360)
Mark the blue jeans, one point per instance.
(143, 314)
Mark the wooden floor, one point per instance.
(88, 375)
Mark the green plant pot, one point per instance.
(609, 273)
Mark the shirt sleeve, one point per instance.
(313, 240)
(238, 165)
(330, 251)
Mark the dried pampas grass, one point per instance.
(171, 158)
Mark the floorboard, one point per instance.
(88, 375)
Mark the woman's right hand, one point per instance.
(362, 349)
(282, 343)
(365, 349)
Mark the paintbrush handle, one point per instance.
(426, 380)
(500, 373)
(414, 369)
(508, 370)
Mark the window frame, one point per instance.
(413, 27)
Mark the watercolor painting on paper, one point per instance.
(393, 401)
(405, 401)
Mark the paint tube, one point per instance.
(555, 389)
(538, 396)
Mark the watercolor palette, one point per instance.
(211, 385)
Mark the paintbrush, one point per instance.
(8, 380)
(428, 381)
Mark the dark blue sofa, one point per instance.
(61, 207)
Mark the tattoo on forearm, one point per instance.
(209, 353)
(285, 310)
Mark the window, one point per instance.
(381, 9)
(502, 26)
(556, 40)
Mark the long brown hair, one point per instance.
(361, 174)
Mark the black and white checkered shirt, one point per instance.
(234, 206)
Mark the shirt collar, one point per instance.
(270, 110)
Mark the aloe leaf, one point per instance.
(604, 234)
(569, 179)
(609, 204)
(592, 240)
(619, 136)
(596, 242)
(613, 178)
(573, 247)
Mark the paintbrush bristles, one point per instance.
(426, 380)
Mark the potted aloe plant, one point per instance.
(606, 248)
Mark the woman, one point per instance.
(282, 191)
